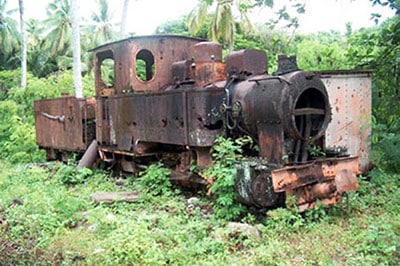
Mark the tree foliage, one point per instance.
(379, 49)
(225, 18)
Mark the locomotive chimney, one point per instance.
(286, 64)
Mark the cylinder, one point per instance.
(89, 157)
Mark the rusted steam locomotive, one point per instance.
(172, 96)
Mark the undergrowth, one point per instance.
(221, 176)
(46, 219)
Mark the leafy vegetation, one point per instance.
(221, 177)
(45, 220)
(17, 135)
(155, 180)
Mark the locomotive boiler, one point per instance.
(170, 97)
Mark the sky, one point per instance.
(145, 15)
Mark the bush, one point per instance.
(69, 175)
(17, 131)
(385, 142)
(155, 180)
(8, 79)
(222, 175)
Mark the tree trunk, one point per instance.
(123, 19)
(23, 43)
(76, 49)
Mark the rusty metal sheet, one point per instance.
(270, 138)
(164, 50)
(180, 117)
(205, 120)
(155, 117)
(61, 123)
(292, 177)
(207, 52)
(102, 121)
(209, 72)
(247, 62)
(350, 97)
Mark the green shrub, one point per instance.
(68, 174)
(385, 142)
(155, 180)
(17, 135)
(222, 174)
(8, 79)
(17, 131)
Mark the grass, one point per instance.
(46, 220)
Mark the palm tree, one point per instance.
(8, 34)
(102, 27)
(23, 43)
(76, 49)
(58, 21)
(38, 54)
(223, 24)
(123, 18)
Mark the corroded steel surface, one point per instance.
(247, 62)
(64, 123)
(350, 97)
(254, 183)
(163, 51)
(295, 105)
(322, 180)
(179, 117)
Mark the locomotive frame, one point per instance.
(172, 96)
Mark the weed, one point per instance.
(155, 180)
(68, 174)
(222, 174)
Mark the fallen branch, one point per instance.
(111, 197)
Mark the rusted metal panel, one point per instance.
(208, 66)
(350, 97)
(163, 50)
(123, 66)
(62, 123)
(292, 177)
(205, 121)
(146, 117)
(209, 72)
(103, 132)
(270, 138)
(247, 62)
(166, 51)
(180, 117)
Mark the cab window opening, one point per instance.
(145, 65)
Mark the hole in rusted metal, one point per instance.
(107, 72)
(216, 126)
(145, 65)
